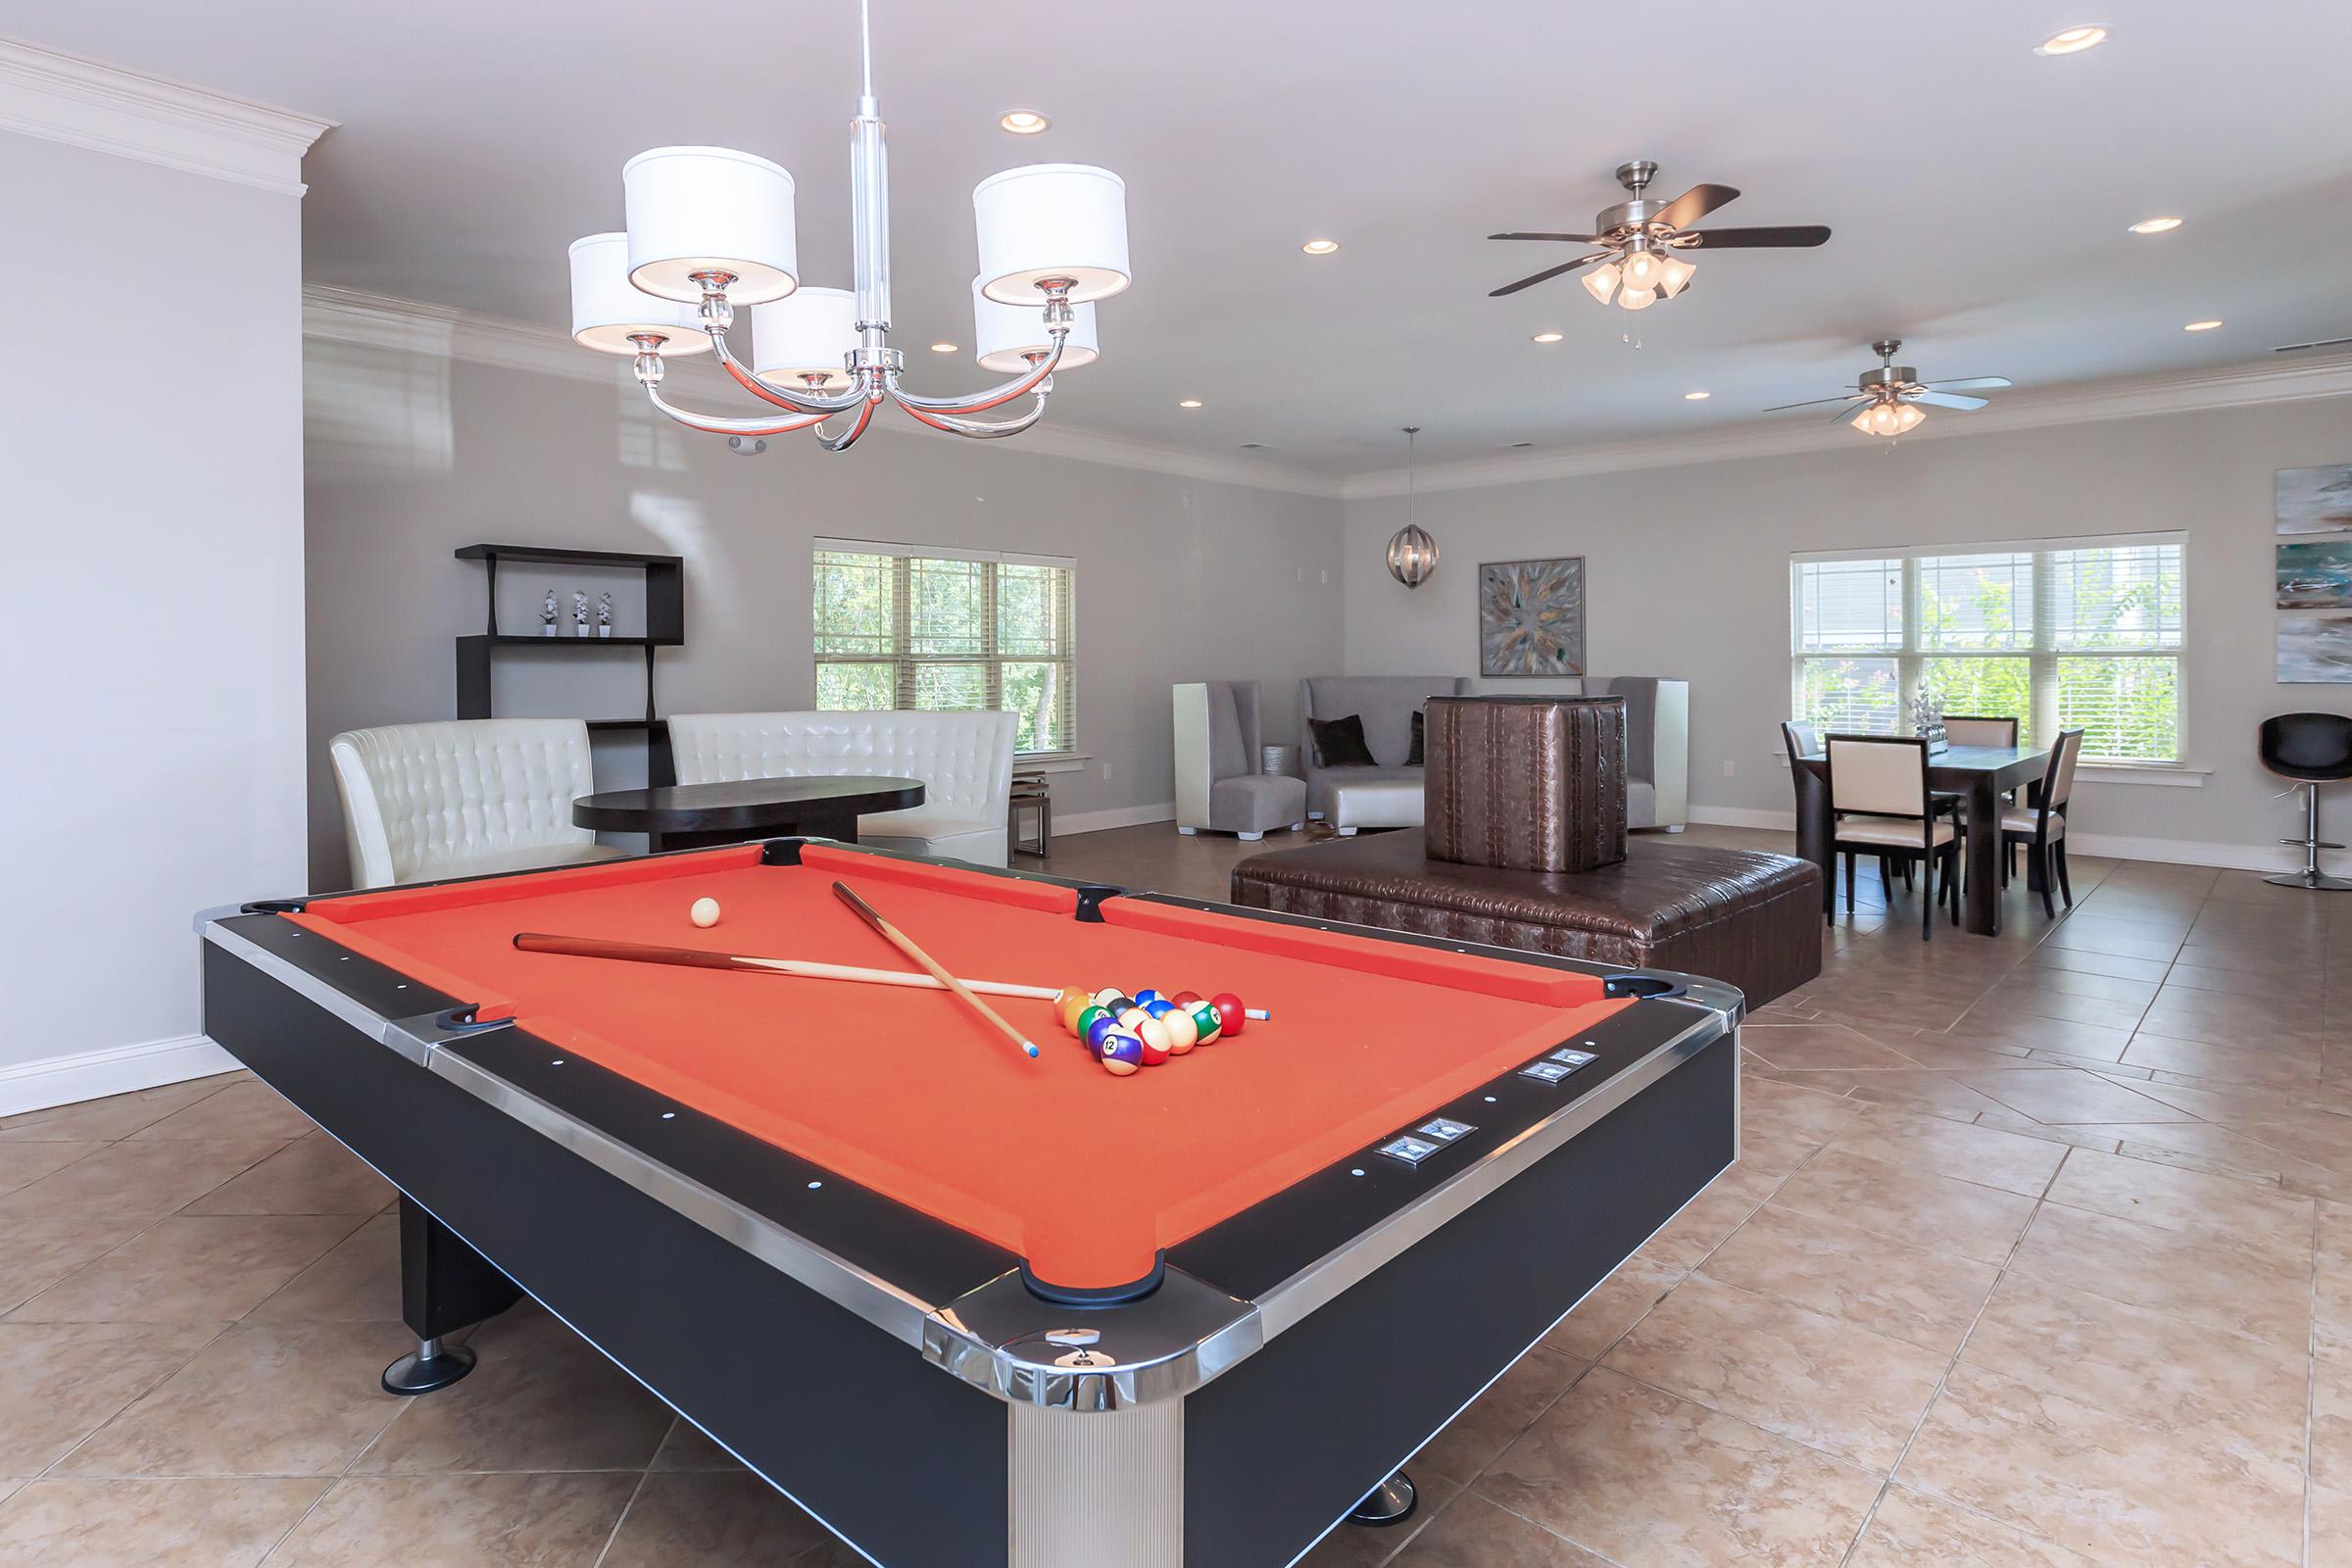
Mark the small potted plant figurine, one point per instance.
(547, 616)
(604, 614)
(579, 612)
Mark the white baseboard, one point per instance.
(2106, 846)
(96, 1074)
(1115, 816)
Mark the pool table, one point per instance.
(969, 1309)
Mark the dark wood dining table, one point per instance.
(687, 816)
(1978, 775)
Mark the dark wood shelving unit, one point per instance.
(664, 627)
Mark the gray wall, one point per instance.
(412, 455)
(1688, 575)
(154, 526)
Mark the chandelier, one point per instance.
(710, 230)
(1412, 552)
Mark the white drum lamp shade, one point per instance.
(1004, 335)
(710, 209)
(806, 333)
(606, 312)
(1050, 221)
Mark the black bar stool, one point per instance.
(2311, 748)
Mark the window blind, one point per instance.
(2078, 633)
(901, 627)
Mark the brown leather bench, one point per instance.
(1746, 918)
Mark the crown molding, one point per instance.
(2231, 386)
(87, 103)
(380, 322)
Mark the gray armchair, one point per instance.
(1219, 782)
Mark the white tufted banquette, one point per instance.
(963, 760)
(463, 797)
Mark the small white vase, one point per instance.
(604, 631)
(547, 628)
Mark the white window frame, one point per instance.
(991, 662)
(2042, 654)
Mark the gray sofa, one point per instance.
(1386, 704)
(1220, 782)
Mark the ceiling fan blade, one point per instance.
(2321, 343)
(1851, 408)
(1573, 239)
(1694, 203)
(1547, 274)
(1945, 400)
(1973, 383)
(1850, 397)
(1722, 240)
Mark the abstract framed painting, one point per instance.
(2316, 573)
(1531, 617)
(2316, 499)
(2315, 650)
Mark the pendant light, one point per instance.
(1412, 552)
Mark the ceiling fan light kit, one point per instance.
(710, 230)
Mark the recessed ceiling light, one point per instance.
(2073, 41)
(1189, 403)
(942, 348)
(2156, 225)
(2200, 326)
(1320, 247)
(1545, 337)
(1023, 122)
(1695, 397)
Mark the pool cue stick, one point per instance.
(798, 968)
(900, 940)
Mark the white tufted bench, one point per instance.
(1371, 801)
(963, 760)
(463, 797)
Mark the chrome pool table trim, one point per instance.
(1182, 1337)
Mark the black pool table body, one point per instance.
(893, 1374)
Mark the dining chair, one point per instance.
(1880, 785)
(1970, 731)
(2042, 826)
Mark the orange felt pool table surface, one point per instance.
(1085, 1175)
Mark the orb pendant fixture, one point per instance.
(1412, 552)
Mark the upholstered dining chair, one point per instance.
(1971, 731)
(463, 797)
(2042, 826)
(1879, 804)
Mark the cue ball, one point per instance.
(705, 912)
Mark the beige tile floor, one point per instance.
(2040, 1255)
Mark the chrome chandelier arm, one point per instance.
(848, 438)
(973, 428)
(714, 425)
(802, 401)
(982, 401)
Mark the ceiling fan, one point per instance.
(1890, 399)
(1646, 246)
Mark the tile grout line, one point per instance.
(636, 1492)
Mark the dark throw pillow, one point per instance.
(1412, 758)
(1340, 742)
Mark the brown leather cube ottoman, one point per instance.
(1746, 918)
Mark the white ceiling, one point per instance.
(1979, 194)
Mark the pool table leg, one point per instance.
(1097, 1486)
(445, 1285)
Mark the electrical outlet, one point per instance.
(1731, 770)
(1324, 575)
(1303, 575)
(1107, 771)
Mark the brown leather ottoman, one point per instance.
(1748, 920)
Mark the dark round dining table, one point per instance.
(690, 816)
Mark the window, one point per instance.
(2067, 634)
(960, 630)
